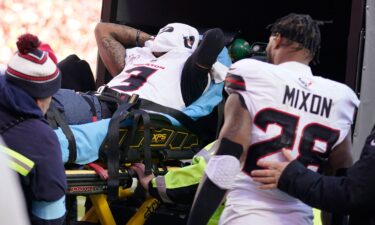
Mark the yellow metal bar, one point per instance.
(144, 212)
(84, 172)
(125, 193)
(90, 216)
(102, 209)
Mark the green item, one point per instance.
(214, 220)
(239, 49)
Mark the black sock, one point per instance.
(210, 47)
(194, 76)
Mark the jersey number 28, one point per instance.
(311, 133)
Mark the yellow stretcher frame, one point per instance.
(100, 210)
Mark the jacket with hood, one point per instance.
(24, 129)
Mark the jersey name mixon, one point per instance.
(307, 101)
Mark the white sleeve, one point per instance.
(12, 204)
(345, 118)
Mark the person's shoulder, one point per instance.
(38, 123)
(341, 90)
(330, 82)
(341, 87)
(34, 139)
(250, 64)
(41, 131)
(248, 73)
(134, 55)
(250, 68)
(137, 50)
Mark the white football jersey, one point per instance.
(290, 108)
(157, 79)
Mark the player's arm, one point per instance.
(339, 159)
(221, 171)
(112, 39)
(341, 156)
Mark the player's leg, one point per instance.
(194, 76)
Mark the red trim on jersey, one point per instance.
(32, 78)
(236, 82)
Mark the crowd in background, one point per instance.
(66, 25)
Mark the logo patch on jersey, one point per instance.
(132, 57)
(372, 143)
(305, 82)
(189, 41)
(235, 82)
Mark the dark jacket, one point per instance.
(352, 194)
(33, 138)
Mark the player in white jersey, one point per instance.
(270, 108)
(155, 79)
(153, 71)
(169, 69)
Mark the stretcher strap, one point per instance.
(113, 163)
(113, 149)
(184, 119)
(146, 141)
(55, 115)
(130, 136)
(90, 102)
(103, 174)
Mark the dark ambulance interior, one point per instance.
(341, 39)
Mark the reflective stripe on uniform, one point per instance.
(207, 151)
(184, 177)
(209, 146)
(205, 154)
(162, 189)
(17, 162)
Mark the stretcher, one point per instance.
(88, 183)
(167, 142)
(169, 146)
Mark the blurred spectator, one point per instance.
(68, 26)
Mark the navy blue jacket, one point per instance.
(34, 139)
(352, 194)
